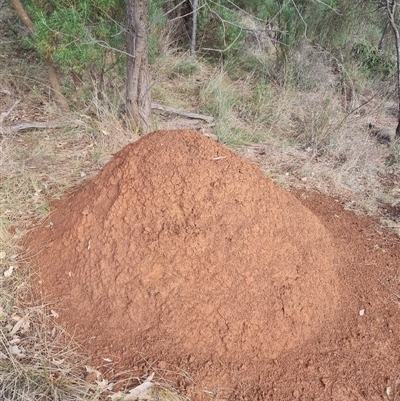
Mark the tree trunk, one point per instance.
(138, 102)
(383, 36)
(55, 85)
(391, 11)
(194, 28)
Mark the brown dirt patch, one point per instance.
(182, 257)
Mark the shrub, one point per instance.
(372, 61)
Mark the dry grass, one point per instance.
(317, 140)
(38, 360)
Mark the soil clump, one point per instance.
(183, 257)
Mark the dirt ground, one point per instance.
(181, 257)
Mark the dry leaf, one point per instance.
(150, 378)
(15, 350)
(21, 322)
(128, 397)
(139, 390)
(137, 393)
(9, 271)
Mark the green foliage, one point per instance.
(187, 68)
(259, 66)
(157, 21)
(372, 61)
(76, 34)
(155, 12)
(329, 23)
(220, 27)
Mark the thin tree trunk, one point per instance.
(138, 102)
(194, 28)
(381, 41)
(55, 85)
(391, 10)
(23, 15)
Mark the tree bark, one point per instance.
(55, 85)
(194, 28)
(391, 11)
(138, 102)
(23, 15)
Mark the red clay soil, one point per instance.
(182, 257)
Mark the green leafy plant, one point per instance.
(77, 35)
(372, 61)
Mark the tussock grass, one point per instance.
(220, 99)
(35, 364)
(177, 79)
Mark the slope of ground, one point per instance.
(182, 251)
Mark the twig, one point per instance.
(3, 116)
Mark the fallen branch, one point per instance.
(5, 130)
(184, 113)
(25, 126)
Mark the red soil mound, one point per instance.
(181, 251)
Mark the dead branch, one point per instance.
(27, 126)
(74, 122)
(187, 114)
